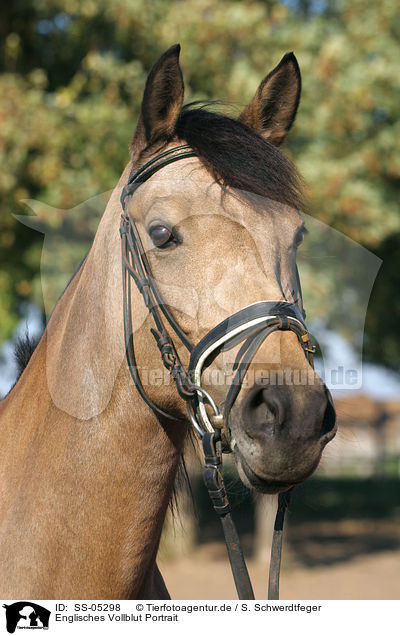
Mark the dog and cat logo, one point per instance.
(26, 615)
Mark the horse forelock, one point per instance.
(239, 157)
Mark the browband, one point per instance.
(151, 167)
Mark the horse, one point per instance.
(88, 462)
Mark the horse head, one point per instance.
(217, 218)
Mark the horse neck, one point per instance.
(115, 460)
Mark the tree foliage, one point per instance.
(72, 75)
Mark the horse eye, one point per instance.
(161, 236)
(299, 238)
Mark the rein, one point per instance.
(249, 326)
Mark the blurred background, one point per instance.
(71, 79)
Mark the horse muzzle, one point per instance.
(246, 329)
(278, 434)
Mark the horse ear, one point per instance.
(273, 108)
(162, 102)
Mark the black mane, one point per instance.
(239, 157)
(26, 345)
(24, 348)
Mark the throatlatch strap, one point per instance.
(216, 489)
(284, 499)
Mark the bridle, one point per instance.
(248, 327)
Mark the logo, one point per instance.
(26, 615)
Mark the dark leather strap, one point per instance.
(135, 265)
(284, 499)
(280, 315)
(257, 310)
(217, 492)
(154, 165)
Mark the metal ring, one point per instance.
(193, 420)
(208, 397)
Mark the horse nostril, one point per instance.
(256, 428)
(328, 428)
(260, 415)
(288, 412)
(269, 430)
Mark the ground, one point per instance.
(344, 560)
(370, 577)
